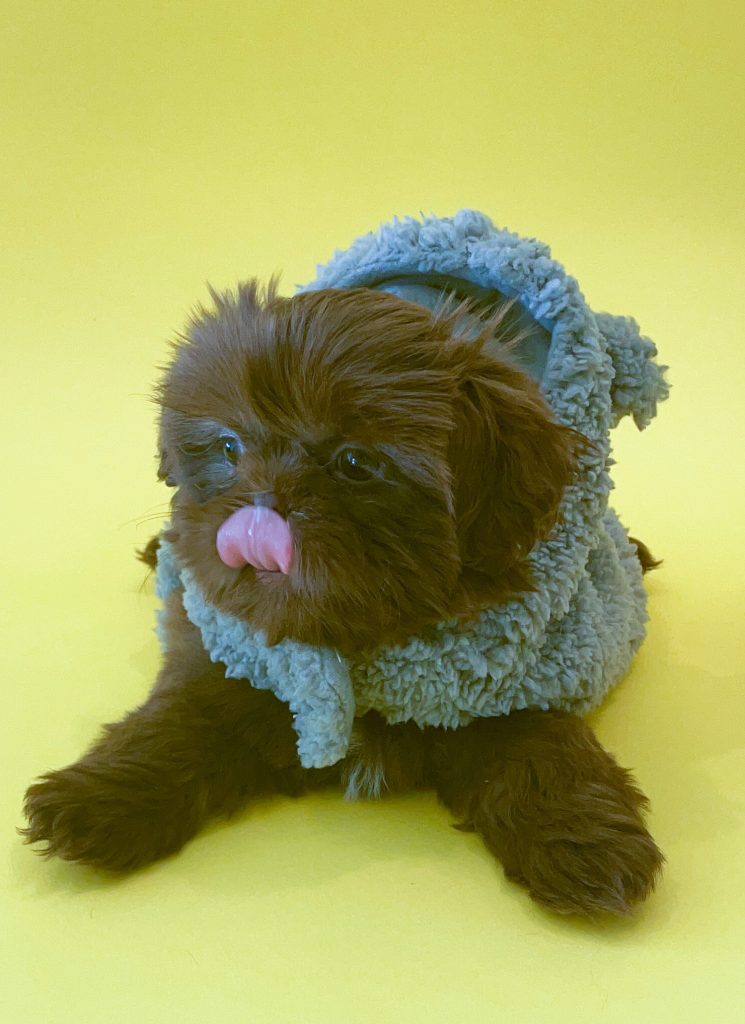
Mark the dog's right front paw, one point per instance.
(94, 816)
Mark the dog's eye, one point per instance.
(227, 445)
(357, 464)
(231, 449)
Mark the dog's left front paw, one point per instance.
(588, 854)
(601, 870)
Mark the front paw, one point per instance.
(588, 855)
(116, 820)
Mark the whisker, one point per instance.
(145, 580)
(147, 517)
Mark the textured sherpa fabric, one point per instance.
(563, 645)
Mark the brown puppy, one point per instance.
(414, 472)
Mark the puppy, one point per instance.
(406, 474)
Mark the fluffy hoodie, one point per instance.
(563, 645)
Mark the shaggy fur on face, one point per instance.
(415, 471)
(416, 531)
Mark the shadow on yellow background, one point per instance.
(149, 147)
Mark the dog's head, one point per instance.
(349, 470)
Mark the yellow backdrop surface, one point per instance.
(147, 147)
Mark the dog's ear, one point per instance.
(511, 462)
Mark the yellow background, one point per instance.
(147, 147)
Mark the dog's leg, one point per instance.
(200, 746)
(553, 806)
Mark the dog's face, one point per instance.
(348, 471)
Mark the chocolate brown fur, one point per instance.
(298, 379)
(470, 470)
(646, 558)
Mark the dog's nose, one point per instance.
(266, 499)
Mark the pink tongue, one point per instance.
(256, 536)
